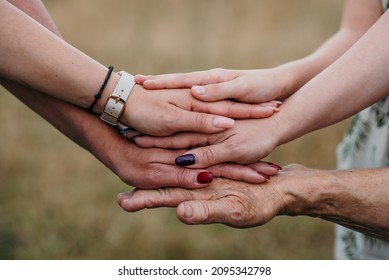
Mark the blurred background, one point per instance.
(58, 202)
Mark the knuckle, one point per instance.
(242, 87)
(152, 177)
(169, 123)
(218, 70)
(207, 155)
(294, 166)
(205, 213)
(125, 176)
(201, 120)
(164, 194)
(241, 213)
(235, 150)
(237, 216)
(230, 107)
(183, 176)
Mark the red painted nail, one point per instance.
(264, 176)
(274, 165)
(205, 177)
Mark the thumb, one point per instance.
(202, 212)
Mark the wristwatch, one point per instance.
(116, 101)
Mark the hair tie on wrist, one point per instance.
(98, 95)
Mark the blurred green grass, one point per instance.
(58, 202)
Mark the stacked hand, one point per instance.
(186, 121)
(164, 112)
(229, 202)
(223, 92)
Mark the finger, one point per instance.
(236, 89)
(187, 80)
(267, 168)
(273, 103)
(205, 212)
(123, 196)
(140, 79)
(164, 175)
(242, 173)
(200, 122)
(177, 141)
(131, 135)
(161, 171)
(236, 110)
(169, 81)
(143, 199)
(208, 156)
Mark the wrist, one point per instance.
(294, 75)
(108, 90)
(312, 194)
(116, 102)
(128, 116)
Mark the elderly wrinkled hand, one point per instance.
(233, 203)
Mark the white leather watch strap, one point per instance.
(116, 101)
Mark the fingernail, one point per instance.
(188, 211)
(125, 131)
(125, 201)
(275, 109)
(126, 196)
(205, 177)
(148, 82)
(199, 90)
(264, 176)
(274, 165)
(185, 160)
(132, 139)
(277, 102)
(221, 122)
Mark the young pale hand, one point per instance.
(247, 142)
(164, 112)
(248, 86)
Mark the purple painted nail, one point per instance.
(185, 160)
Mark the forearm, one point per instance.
(35, 57)
(80, 126)
(77, 124)
(358, 17)
(352, 83)
(357, 199)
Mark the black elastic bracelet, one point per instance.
(98, 95)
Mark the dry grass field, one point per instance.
(58, 202)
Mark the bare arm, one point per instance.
(135, 166)
(279, 82)
(353, 82)
(358, 16)
(144, 168)
(33, 56)
(357, 199)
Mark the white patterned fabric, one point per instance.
(365, 145)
